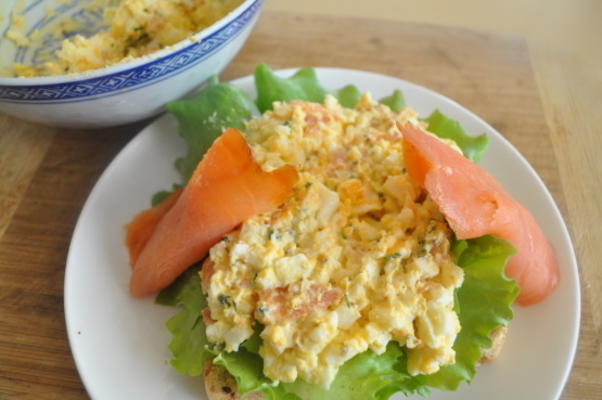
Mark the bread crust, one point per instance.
(220, 385)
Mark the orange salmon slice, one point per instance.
(141, 228)
(227, 188)
(475, 204)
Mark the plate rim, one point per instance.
(139, 137)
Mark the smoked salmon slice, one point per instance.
(140, 230)
(226, 188)
(475, 204)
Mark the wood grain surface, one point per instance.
(47, 173)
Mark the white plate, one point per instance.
(120, 343)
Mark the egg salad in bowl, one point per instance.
(356, 256)
(327, 244)
(130, 29)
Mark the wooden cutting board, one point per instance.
(47, 173)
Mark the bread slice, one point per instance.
(220, 385)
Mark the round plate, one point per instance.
(120, 343)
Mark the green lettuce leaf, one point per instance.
(253, 343)
(365, 376)
(485, 302)
(159, 197)
(304, 85)
(186, 290)
(163, 194)
(203, 118)
(247, 369)
(188, 343)
(348, 96)
(473, 147)
(395, 101)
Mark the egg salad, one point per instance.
(356, 257)
(135, 28)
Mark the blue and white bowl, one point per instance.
(121, 93)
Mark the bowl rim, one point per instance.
(132, 64)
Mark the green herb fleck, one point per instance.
(226, 301)
(137, 41)
(391, 256)
(216, 347)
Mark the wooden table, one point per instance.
(46, 173)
